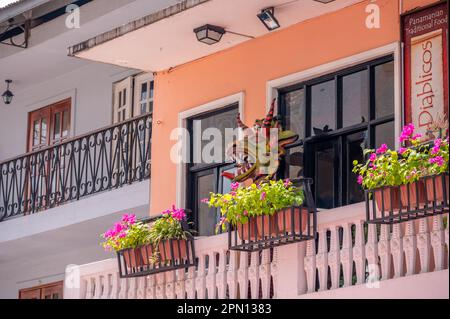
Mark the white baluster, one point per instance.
(243, 275)
(106, 286)
(410, 248)
(359, 255)
(264, 273)
(97, 286)
(347, 255)
(438, 242)
(210, 279)
(221, 276)
(397, 250)
(190, 283)
(160, 286)
(200, 280)
(150, 291)
(333, 257)
(372, 248)
(115, 285)
(141, 283)
(89, 287)
(123, 288)
(322, 260)
(132, 288)
(384, 251)
(232, 274)
(424, 245)
(180, 284)
(310, 266)
(170, 284)
(274, 275)
(253, 274)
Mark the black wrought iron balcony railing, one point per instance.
(102, 160)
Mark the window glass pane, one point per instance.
(325, 177)
(152, 89)
(294, 162)
(57, 126)
(44, 131)
(295, 111)
(225, 182)
(385, 134)
(143, 91)
(384, 89)
(35, 132)
(323, 109)
(355, 102)
(207, 217)
(215, 142)
(355, 145)
(120, 99)
(143, 108)
(151, 106)
(124, 97)
(66, 124)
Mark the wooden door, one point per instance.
(49, 291)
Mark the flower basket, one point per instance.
(387, 199)
(436, 186)
(288, 225)
(172, 249)
(413, 195)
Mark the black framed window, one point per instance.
(203, 176)
(336, 117)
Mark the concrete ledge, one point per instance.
(97, 205)
(432, 285)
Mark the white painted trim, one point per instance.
(72, 94)
(272, 86)
(182, 123)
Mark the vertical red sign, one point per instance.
(425, 35)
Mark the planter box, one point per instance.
(173, 254)
(435, 188)
(286, 226)
(413, 195)
(397, 204)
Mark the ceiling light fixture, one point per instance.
(267, 17)
(324, 1)
(7, 95)
(209, 33)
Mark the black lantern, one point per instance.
(209, 34)
(267, 17)
(7, 95)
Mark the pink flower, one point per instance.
(245, 213)
(129, 219)
(382, 149)
(373, 157)
(402, 150)
(179, 214)
(437, 146)
(234, 186)
(408, 130)
(118, 227)
(263, 196)
(287, 182)
(417, 136)
(360, 179)
(439, 160)
(233, 193)
(122, 235)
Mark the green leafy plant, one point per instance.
(168, 226)
(126, 234)
(255, 200)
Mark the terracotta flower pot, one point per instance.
(439, 195)
(178, 246)
(262, 224)
(146, 253)
(416, 194)
(133, 257)
(249, 231)
(284, 220)
(384, 197)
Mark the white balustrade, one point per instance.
(348, 252)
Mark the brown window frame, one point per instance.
(41, 289)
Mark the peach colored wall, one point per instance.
(248, 66)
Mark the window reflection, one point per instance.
(355, 102)
(323, 110)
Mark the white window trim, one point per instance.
(394, 48)
(182, 123)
